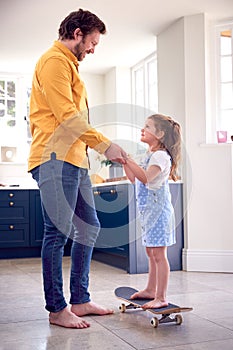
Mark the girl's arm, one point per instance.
(130, 175)
(133, 170)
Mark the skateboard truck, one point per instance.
(178, 319)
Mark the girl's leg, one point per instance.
(151, 289)
(159, 255)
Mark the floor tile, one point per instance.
(24, 321)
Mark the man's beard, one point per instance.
(79, 50)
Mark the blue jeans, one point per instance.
(68, 211)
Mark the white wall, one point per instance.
(107, 117)
(95, 88)
(208, 184)
(208, 181)
(16, 174)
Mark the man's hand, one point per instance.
(116, 154)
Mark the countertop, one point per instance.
(32, 185)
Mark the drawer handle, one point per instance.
(112, 191)
(11, 227)
(11, 195)
(11, 204)
(96, 193)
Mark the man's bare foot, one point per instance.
(90, 308)
(66, 318)
(143, 294)
(156, 303)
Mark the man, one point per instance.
(58, 161)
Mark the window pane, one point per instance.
(2, 108)
(226, 42)
(226, 69)
(139, 91)
(152, 96)
(11, 89)
(11, 108)
(152, 72)
(139, 79)
(2, 88)
(226, 96)
(224, 80)
(139, 98)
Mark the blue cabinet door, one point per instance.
(14, 218)
(36, 220)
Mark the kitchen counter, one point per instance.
(22, 184)
(119, 241)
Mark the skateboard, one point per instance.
(124, 293)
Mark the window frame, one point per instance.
(219, 28)
(17, 135)
(143, 65)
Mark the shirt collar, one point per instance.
(66, 52)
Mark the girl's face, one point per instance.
(148, 132)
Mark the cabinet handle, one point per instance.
(11, 204)
(11, 227)
(11, 195)
(112, 191)
(96, 193)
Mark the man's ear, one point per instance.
(77, 33)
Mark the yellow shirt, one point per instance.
(59, 111)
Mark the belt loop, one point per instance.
(53, 156)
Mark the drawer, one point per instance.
(14, 212)
(14, 195)
(111, 204)
(14, 235)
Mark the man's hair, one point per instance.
(86, 21)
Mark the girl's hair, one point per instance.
(86, 21)
(171, 141)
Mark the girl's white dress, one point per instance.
(154, 203)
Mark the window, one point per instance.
(144, 95)
(144, 84)
(7, 101)
(225, 78)
(14, 98)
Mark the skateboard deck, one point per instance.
(124, 293)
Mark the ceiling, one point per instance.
(29, 27)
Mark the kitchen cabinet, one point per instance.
(14, 218)
(21, 224)
(119, 241)
(21, 227)
(36, 220)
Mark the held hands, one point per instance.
(116, 154)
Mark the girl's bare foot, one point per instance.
(90, 308)
(143, 294)
(66, 318)
(156, 303)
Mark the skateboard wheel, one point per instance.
(178, 319)
(154, 322)
(122, 308)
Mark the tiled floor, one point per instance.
(24, 322)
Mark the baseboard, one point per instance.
(207, 260)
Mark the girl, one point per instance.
(163, 136)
